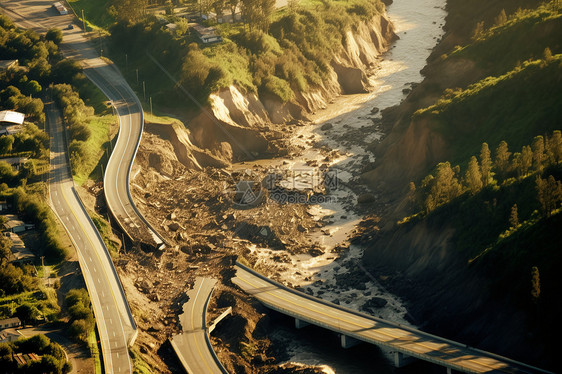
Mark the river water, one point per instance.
(418, 23)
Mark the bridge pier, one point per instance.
(299, 324)
(401, 360)
(348, 341)
(449, 371)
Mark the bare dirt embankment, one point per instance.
(181, 184)
(239, 126)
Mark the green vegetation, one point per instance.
(286, 52)
(139, 365)
(96, 12)
(90, 134)
(500, 108)
(106, 233)
(94, 350)
(81, 315)
(53, 359)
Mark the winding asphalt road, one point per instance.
(113, 317)
(193, 346)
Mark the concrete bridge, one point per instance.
(404, 343)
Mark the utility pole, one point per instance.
(126, 62)
(44, 272)
(151, 105)
(83, 22)
(137, 76)
(101, 47)
(144, 91)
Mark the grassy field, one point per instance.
(103, 129)
(95, 12)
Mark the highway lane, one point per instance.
(193, 346)
(374, 330)
(40, 16)
(117, 174)
(115, 324)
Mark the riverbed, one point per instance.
(345, 129)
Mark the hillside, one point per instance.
(271, 69)
(472, 169)
(484, 90)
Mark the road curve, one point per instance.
(117, 173)
(113, 318)
(193, 346)
(394, 337)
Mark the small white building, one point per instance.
(10, 322)
(207, 34)
(8, 64)
(10, 117)
(15, 225)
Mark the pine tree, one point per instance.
(526, 160)
(538, 152)
(446, 186)
(556, 146)
(501, 163)
(514, 216)
(549, 194)
(485, 164)
(473, 176)
(501, 18)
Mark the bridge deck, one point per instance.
(374, 330)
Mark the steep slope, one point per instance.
(477, 255)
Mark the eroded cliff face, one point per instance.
(238, 120)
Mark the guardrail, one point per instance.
(373, 318)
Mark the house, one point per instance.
(3, 206)
(10, 129)
(9, 335)
(207, 34)
(19, 252)
(15, 162)
(8, 64)
(10, 322)
(14, 224)
(10, 117)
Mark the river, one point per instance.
(354, 126)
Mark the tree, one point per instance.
(27, 313)
(549, 194)
(513, 217)
(131, 11)
(485, 164)
(6, 143)
(233, 4)
(473, 176)
(538, 152)
(258, 13)
(555, 146)
(478, 31)
(443, 188)
(54, 35)
(501, 162)
(218, 7)
(526, 160)
(535, 283)
(501, 18)
(5, 252)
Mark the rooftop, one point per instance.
(12, 117)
